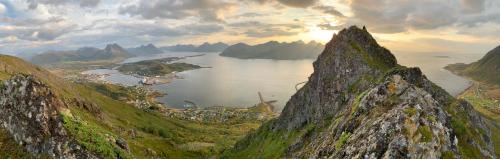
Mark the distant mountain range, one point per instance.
(145, 50)
(487, 69)
(275, 50)
(205, 47)
(112, 52)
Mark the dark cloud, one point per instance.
(89, 3)
(328, 26)
(134, 29)
(33, 4)
(202, 29)
(476, 20)
(290, 3)
(389, 16)
(472, 6)
(392, 16)
(329, 10)
(208, 10)
(298, 3)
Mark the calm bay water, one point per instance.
(235, 82)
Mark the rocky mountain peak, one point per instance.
(359, 103)
(113, 48)
(350, 63)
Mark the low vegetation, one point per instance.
(487, 103)
(149, 134)
(152, 68)
(9, 148)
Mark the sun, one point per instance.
(317, 34)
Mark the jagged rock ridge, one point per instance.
(359, 103)
(30, 113)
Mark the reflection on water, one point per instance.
(114, 76)
(432, 65)
(235, 82)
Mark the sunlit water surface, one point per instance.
(235, 82)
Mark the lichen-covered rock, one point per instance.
(395, 119)
(30, 112)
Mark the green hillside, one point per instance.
(487, 69)
(148, 134)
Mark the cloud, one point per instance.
(476, 20)
(472, 6)
(258, 24)
(328, 26)
(3, 9)
(36, 29)
(89, 3)
(249, 15)
(392, 16)
(290, 3)
(329, 10)
(259, 29)
(269, 32)
(298, 3)
(134, 29)
(207, 10)
(33, 4)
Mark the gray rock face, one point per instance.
(29, 111)
(395, 119)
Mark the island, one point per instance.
(275, 50)
(158, 67)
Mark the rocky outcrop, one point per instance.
(30, 112)
(359, 103)
(348, 65)
(399, 119)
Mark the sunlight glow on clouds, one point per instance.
(35, 26)
(2, 9)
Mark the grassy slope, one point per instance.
(154, 132)
(474, 72)
(484, 103)
(9, 148)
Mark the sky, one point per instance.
(403, 26)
